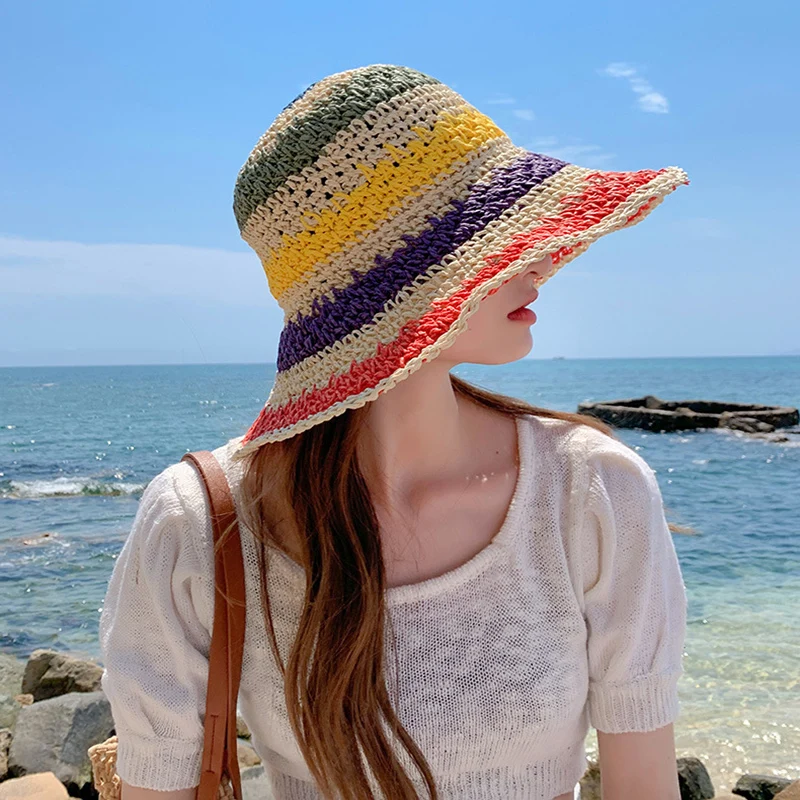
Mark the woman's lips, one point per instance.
(522, 314)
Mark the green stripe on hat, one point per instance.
(304, 139)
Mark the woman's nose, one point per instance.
(540, 268)
(534, 274)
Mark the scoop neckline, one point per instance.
(420, 590)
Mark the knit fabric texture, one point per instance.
(383, 207)
(573, 615)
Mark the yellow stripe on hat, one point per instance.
(434, 152)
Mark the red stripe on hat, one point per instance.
(604, 192)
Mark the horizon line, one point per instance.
(272, 363)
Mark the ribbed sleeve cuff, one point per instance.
(163, 764)
(643, 705)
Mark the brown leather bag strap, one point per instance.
(227, 640)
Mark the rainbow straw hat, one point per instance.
(384, 207)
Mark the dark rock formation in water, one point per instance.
(653, 414)
(694, 780)
(760, 787)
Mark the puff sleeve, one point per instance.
(155, 638)
(634, 596)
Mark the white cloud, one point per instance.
(64, 268)
(654, 102)
(649, 99)
(620, 70)
(524, 113)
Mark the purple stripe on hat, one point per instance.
(357, 304)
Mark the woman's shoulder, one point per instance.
(180, 487)
(584, 449)
(571, 437)
(580, 437)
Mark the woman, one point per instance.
(446, 586)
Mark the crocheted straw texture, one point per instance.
(384, 207)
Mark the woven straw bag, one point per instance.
(219, 771)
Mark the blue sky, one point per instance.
(124, 126)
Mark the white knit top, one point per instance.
(573, 615)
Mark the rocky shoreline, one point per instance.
(52, 709)
(665, 416)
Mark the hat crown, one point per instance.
(311, 121)
(344, 155)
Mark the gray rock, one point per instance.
(246, 754)
(5, 744)
(11, 671)
(750, 425)
(694, 780)
(590, 782)
(54, 735)
(9, 710)
(760, 787)
(51, 674)
(242, 730)
(256, 784)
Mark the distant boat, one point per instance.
(558, 358)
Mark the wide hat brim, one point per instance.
(561, 216)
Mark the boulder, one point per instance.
(55, 735)
(51, 674)
(245, 754)
(791, 792)
(590, 782)
(760, 787)
(9, 709)
(242, 731)
(749, 425)
(694, 780)
(256, 784)
(11, 671)
(38, 786)
(5, 744)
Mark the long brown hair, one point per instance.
(335, 691)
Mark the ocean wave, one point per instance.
(67, 487)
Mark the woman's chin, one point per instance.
(512, 351)
(525, 350)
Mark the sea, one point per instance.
(79, 444)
